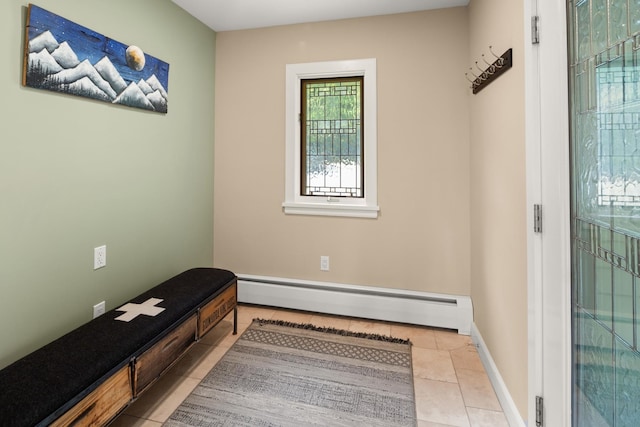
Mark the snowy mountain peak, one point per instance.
(43, 41)
(156, 85)
(65, 56)
(84, 86)
(134, 97)
(109, 72)
(55, 66)
(158, 101)
(44, 61)
(85, 69)
(144, 86)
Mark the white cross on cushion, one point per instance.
(133, 310)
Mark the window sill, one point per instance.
(322, 209)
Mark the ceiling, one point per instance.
(227, 15)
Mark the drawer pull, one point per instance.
(170, 343)
(83, 414)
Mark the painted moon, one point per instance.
(135, 58)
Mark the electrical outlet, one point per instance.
(324, 263)
(98, 309)
(99, 257)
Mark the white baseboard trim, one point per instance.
(504, 397)
(394, 305)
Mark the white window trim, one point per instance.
(365, 207)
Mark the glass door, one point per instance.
(604, 60)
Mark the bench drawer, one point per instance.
(153, 362)
(217, 309)
(102, 404)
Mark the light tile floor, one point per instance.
(451, 385)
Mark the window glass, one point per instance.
(332, 137)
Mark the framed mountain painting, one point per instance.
(65, 57)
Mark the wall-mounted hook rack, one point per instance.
(492, 72)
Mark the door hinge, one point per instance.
(537, 218)
(535, 29)
(539, 411)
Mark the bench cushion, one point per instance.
(44, 384)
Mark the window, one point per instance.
(331, 166)
(331, 137)
(618, 146)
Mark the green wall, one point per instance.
(76, 174)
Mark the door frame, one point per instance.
(548, 174)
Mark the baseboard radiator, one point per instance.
(393, 305)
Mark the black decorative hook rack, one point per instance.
(492, 72)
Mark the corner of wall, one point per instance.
(502, 392)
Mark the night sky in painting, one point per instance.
(88, 44)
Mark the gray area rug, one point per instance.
(284, 374)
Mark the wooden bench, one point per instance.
(90, 375)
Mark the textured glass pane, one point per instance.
(599, 26)
(619, 155)
(610, 84)
(634, 16)
(582, 88)
(604, 83)
(623, 305)
(627, 386)
(583, 30)
(620, 247)
(587, 282)
(631, 76)
(594, 373)
(585, 414)
(618, 20)
(332, 138)
(605, 150)
(593, 87)
(604, 296)
(583, 231)
(586, 151)
(604, 241)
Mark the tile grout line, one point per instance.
(464, 401)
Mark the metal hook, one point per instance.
(492, 67)
(474, 83)
(490, 50)
(484, 74)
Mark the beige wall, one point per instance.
(442, 154)
(421, 239)
(498, 223)
(77, 173)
